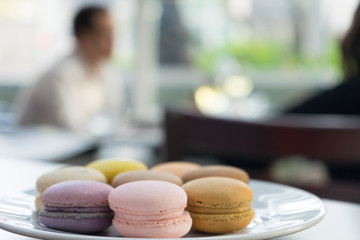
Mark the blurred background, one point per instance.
(233, 59)
(245, 58)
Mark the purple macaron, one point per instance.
(79, 206)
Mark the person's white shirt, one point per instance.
(70, 96)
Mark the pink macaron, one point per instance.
(77, 206)
(150, 208)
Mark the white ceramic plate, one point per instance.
(279, 210)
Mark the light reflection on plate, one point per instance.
(279, 210)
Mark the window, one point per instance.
(170, 48)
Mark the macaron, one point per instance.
(79, 206)
(219, 204)
(176, 168)
(217, 171)
(150, 209)
(112, 167)
(64, 174)
(138, 175)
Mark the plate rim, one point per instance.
(59, 235)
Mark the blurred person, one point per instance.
(345, 97)
(80, 88)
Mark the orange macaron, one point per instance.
(219, 204)
(177, 168)
(139, 175)
(216, 171)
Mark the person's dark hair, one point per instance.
(350, 47)
(84, 19)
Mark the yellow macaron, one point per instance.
(112, 167)
(219, 204)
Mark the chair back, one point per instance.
(329, 138)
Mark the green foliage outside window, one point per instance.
(266, 56)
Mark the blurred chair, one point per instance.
(334, 140)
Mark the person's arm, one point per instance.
(48, 102)
(37, 105)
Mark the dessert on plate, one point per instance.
(79, 206)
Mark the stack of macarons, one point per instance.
(74, 198)
(219, 197)
(165, 201)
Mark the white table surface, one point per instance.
(341, 221)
